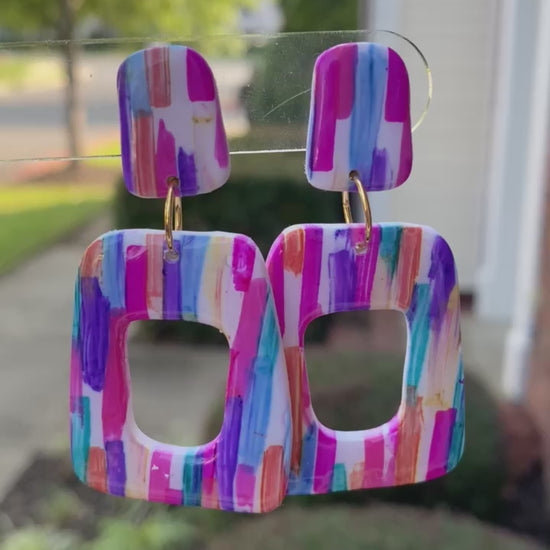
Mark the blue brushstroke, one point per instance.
(368, 108)
(136, 85)
(419, 323)
(114, 270)
(80, 438)
(192, 255)
(257, 404)
(303, 485)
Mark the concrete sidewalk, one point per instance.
(36, 304)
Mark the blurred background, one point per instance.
(479, 177)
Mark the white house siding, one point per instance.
(448, 182)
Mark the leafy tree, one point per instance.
(181, 18)
(321, 15)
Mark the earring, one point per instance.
(173, 144)
(359, 140)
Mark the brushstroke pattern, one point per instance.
(315, 270)
(220, 279)
(170, 123)
(359, 119)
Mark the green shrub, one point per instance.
(353, 391)
(259, 206)
(40, 538)
(158, 532)
(373, 528)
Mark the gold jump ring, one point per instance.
(354, 177)
(173, 214)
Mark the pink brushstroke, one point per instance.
(165, 159)
(159, 479)
(200, 81)
(324, 460)
(136, 281)
(157, 69)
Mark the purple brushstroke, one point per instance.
(124, 115)
(93, 333)
(116, 467)
(187, 173)
(343, 279)
(228, 446)
(443, 279)
(378, 170)
(171, 285)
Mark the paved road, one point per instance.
(32, 121)
(174, 386)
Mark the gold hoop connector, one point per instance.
(354, 177)
(173, 215)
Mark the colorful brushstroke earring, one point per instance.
(359, 140)
(173, 144)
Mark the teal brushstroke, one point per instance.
(418, 317)
(390, 240)
(457, 438)
(339, 478)
(76, 309)
(192, 479)
(80, 438)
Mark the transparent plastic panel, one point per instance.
(264, 86)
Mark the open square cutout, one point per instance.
(218, 279)
(178, 371)
(315, 270)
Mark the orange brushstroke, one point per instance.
(96, 475)
(408, 265)
(294, 251)
(293, 357)
(408, 441)
(273, 478)
(355, 480)
(91, 262)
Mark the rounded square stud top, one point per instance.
(170, 123)
(359, 119)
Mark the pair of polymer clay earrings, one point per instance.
(271, 443)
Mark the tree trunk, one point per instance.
(74, 115)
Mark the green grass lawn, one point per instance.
(34, 217)
(18, 71)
